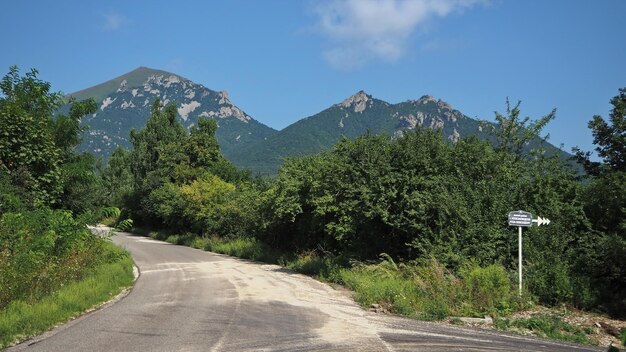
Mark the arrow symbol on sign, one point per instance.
(541, 221)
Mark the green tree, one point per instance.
(202, 146)
(606, 196)
(605, 204)
(519, 135)
(36, 148)
(610, 139)
(67, 129)
(27, 149)
(165, 160)
(157, 150)
(82, 187)
(117, 178)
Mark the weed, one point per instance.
(547, 325)
(20, 319)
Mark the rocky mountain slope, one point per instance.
(124, 103)
(351, 118)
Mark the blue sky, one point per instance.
(282, 60)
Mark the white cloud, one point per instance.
(361, 31)
(112, 21)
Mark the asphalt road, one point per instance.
(189, 300)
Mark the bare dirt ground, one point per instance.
(604, 330)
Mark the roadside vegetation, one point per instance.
(416, 199)
(24, 318)
(414, 224)
(51, 266)
(548, 325)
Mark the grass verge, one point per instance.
(20, 320)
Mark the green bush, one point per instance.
(438, 290)
(20, 319)
(42, 250)
(185, 240)
(314, 264)
(488, 289)
(390, 290)
(125, 225)
(430, 291)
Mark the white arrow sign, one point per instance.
(521, 219)
(541, 221)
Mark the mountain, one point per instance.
(124, 103)
(351, 118)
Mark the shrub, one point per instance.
(204, 200)
(41, 251)
(438, 290)
(185, 240)
(487, 289)
(312, 263)
(125, 225)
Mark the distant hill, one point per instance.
(124, 103)
(351, 118)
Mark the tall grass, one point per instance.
(20, 319)
(427, 291)
(430, 291)
(547, 325)
(42, 250)
(241, 247)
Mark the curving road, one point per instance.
(190, 300)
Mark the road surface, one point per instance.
(190, 300)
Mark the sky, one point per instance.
(283, 60)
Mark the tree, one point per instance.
(605, 205)
(610, 139)
(202, 146)
(117, 178)
(157, 150)
(606, 192)
(27, 149)
(37, 148)
(519, 135)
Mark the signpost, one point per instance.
(521, 219)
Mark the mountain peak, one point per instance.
(359, 101)
(134, 78)
(425, 99)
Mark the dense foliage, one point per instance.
(47, 192)
(42, 250)
(37, 148)
(605, 206)
(415, 198)
(419, 197)
(439, 209)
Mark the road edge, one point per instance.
(31, 340)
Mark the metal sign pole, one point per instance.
(521, 219)
(519, 265)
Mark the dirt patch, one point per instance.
(599, 328)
